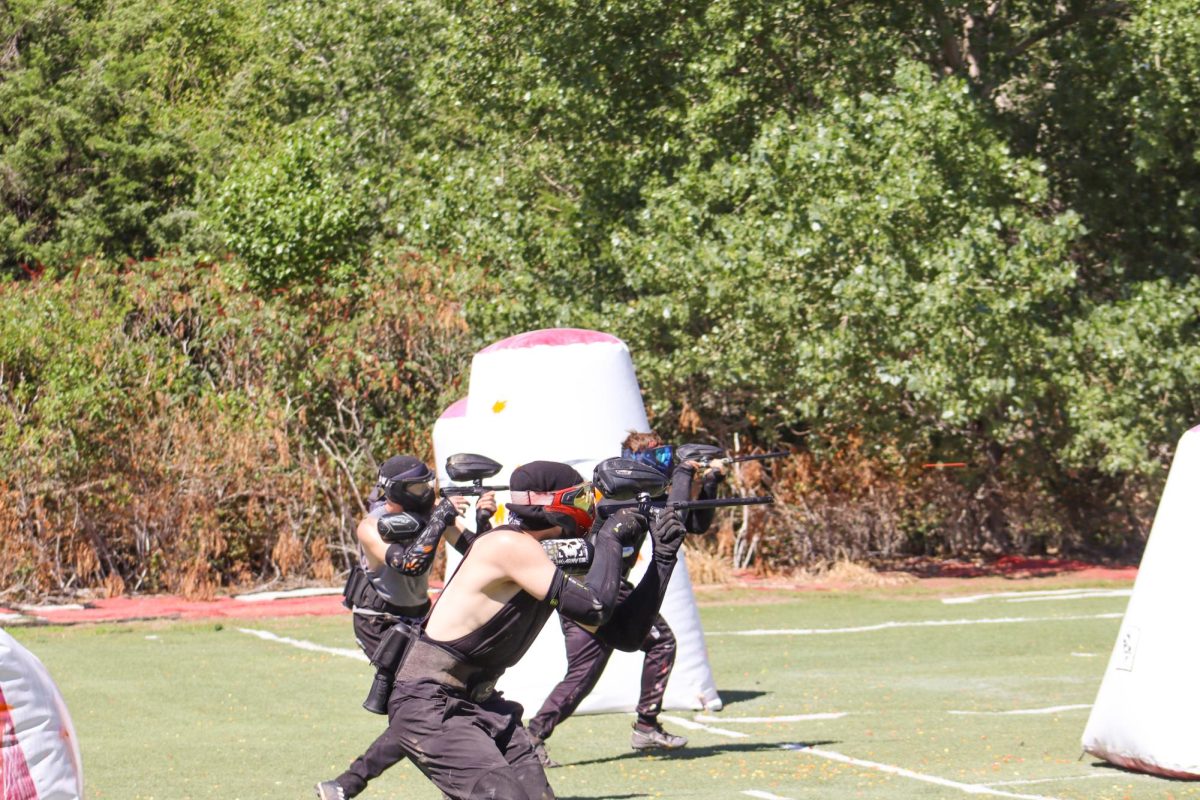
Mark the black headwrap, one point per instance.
(539, 476)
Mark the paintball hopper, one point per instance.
(472, 468)
(625, 479)
(463, 467)
(704, 454)
(701, 453)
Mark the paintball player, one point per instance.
(444, 711)
(388, 590)
(587, 655)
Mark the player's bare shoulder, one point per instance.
(507, 544)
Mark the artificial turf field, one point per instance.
(906, 696)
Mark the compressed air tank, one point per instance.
(39, 753)
(570, 395)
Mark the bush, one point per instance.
(166, 430)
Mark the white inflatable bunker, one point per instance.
(1146, 713)
(570, 395)
(39, 754)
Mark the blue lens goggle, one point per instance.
(658, 457)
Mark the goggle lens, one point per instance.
(582, 497)
(417, 487)
(657, 457)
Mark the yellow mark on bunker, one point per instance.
(498, 406)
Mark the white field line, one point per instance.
(303, 645)
(1086, 655)
(764, 795)
(262, 596)
(696, 726)
(771, 720)
(930, 623)
(968, 788)
(1047, 780)
(1047, 710)
(1046, 593)
(1076, 596)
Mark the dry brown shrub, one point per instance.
(319, 557)
(288, 553)
(113, 586)
(706, 566)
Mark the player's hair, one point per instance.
(636, 441)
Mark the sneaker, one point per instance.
(655, 739)
(330, 790)
(539, 749)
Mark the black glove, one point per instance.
(483, 519)
(626, 525)
(667, 532)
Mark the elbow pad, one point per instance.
(578, 601)
(591, 601)
(416, 558)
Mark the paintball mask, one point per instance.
(539, 498)
(658, 457)
(408, 482)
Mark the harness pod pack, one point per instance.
(39, 754)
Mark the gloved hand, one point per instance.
(667, 533)
(445, 512)
(484, 510)
(626, 525)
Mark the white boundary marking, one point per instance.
(771, 720)
(303, 645)
(696, 726)
(969, 788)
(1083, 595)
(764, 795)
(261, 596)
(1047, 594)
(1047, 710)
(929, 623)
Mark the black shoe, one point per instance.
(330, 790)
(655, 739)
(539, 749)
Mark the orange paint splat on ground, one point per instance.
(499, 406)
(5, 708)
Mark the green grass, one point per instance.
(188, 711)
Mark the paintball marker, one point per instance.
(705, 453)
(474, 468)
(635, 485)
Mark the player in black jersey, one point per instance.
(587, 654)
(388, 589)
(444, 711)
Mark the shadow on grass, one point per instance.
(693, 753)
(731, 696)
(1139, 773)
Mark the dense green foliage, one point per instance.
(163, 429)
(940, 230)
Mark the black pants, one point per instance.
(384, 751)
(470, 750)
(586, 659)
